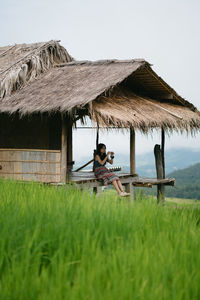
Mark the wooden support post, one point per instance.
(130, 189)
(163, 150)
(132, 151)
(69, 148)
(63, 166)
(97, 137)
(159, 171)
(97, 190)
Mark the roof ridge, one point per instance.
(102, 62)
(29, 44)
(29, 53)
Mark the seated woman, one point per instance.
(101, 172)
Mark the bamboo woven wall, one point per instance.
(30, 164)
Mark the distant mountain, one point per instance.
(189, 175)
(187, 183)
(177, 158)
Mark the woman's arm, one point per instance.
(111, 157)
(110, 160)
(102, 162)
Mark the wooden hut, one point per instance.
(44, 92)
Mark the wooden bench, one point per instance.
(88, 180)
(85, 180)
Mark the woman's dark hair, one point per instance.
(98, 151)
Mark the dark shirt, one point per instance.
(97, 164)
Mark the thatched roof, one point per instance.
(20, 63)
(112, 92)
(123, 108)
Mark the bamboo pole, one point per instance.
(63, 166)
(3, 53)
(132, 151)
(167, 110)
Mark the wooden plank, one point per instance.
(96, 183)
(32, 161)
(92, 175)
(136, 181)
(123, 179)
(152, 181)
(143, 184)
(28, 150)
(38, 173)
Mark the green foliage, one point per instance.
(190, 175)
(60, 243)
(187, 183)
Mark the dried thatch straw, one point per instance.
(68, 87)
(113, 93)
(20, 64)
(123, 108)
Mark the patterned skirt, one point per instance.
(105, 175)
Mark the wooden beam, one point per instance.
(95, 127)
(85, 165)
(163, 83)
(170, 112)
(63, 166)
(162, 108)
(132, 151)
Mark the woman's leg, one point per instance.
(120, 185)
(114, 182)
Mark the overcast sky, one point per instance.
(165, 33)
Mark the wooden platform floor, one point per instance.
(89, 179)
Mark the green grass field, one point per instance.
(60, 243)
